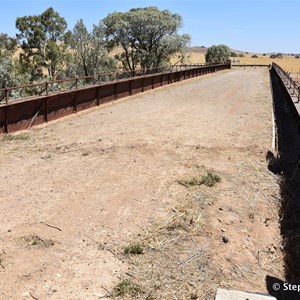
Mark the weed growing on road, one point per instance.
(209, 179)
(135, 249)
(176, 260)
(20, 137)
(126, 287)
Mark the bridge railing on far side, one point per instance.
(291, 85)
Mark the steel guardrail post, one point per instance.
(6, 95)
(46, 88)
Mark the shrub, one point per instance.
(278, 55)
(217, 54)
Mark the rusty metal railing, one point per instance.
(250, 65)
(49, 101)
(291, 85)
(20, 92)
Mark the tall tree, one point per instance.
(10, 72)
(217, 54)
(147, 36)
(8, 45)
(41, 39)
(89, 50)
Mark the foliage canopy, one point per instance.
(10, 71)
(147, 36)
(90, 55)
(41, 39)
(217, 54)
(140, 38)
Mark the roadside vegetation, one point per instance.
(44, 50)
(216, 54)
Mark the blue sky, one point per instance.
(247, 25)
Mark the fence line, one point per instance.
(46, 88)
(45, 105)
(291, 85)
(250, 65)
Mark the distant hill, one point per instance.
(203, 49)
(199, 49)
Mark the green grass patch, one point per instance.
(135, 249)
(126, 287)
(209, 179)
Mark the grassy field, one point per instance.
(195, 58)
(288, 63)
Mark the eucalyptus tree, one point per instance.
(41, 38)
(88, 50)
(217, 54)
(147, 37)
(8, 45)
(10, 72)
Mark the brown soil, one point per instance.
(76, 192)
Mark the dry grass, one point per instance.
(195, 58)
(288, 63)
(175, 262)
(181, 259)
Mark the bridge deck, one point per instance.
(105, 175)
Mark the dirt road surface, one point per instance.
(76, 191)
